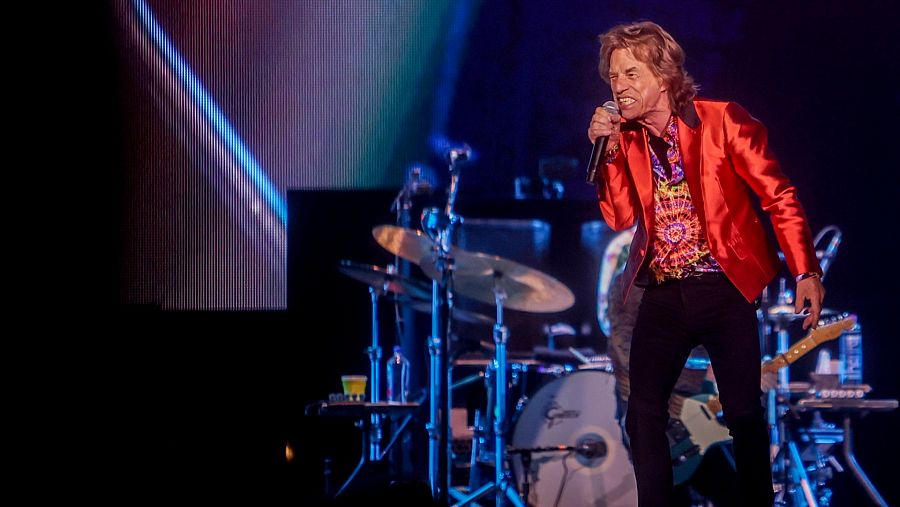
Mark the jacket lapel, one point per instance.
(690, 131)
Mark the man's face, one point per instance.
(638, 92)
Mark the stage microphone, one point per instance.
(591, 449)
(599, 146)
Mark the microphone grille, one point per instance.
(611, 107)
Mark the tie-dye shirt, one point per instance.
(680, 248)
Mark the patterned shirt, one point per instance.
(680, 248)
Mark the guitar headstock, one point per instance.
(832, 328)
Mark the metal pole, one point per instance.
(857, 470)
(375, 383)
(440, 227)
(439, 425)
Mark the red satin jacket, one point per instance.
(726, 159)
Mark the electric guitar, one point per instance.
(697, 427)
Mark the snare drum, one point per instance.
(577, 410)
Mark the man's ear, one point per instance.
(663, 85)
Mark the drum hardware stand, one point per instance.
(374, 352)
(372, 432)
(439, 226)
(479, 438)
(502, 477)
(784, 453)
(401, 204)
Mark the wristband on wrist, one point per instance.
(804, 276)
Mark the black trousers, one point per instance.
(675, 317)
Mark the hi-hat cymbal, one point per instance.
(787, 313)
(784, 312)
(788, 310)
(382, 279)
(527, 289)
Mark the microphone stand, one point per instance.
(831, 251)
(405, 319)
(439, 226)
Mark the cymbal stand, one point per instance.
(502, 477)
(438, 350)
(375, 354)
(372, 432)
(784, 453)
(439, 226)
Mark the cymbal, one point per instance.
(409, 244)
(415, 246)
(459, 314)
(475, 273)
(381, 278)
(786, 312)
(527, 289)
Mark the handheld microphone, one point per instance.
(599, 146)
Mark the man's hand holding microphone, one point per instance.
(604, 133)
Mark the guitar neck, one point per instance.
(776, 363)
(800, 348)
(795, 352)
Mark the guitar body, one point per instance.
(693, 434)
(697, 429)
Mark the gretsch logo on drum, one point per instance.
(554, 413)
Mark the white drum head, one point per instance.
(575, 410)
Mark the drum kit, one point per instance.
(550, 432)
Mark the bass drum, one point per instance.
(578, 410)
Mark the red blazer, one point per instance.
(726, 160)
